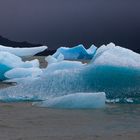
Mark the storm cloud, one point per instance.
(70, 22)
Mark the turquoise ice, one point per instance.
(77, 52)
(10, 61)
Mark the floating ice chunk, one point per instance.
(9, 61)
(112, 55)
(76, 100)
(23, 72)
(23, 51)
(77, 52)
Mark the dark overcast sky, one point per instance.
(70, 22)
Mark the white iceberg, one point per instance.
(77, 52)
(23, 51)
(76, 100)
(111, 55)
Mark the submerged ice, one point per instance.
(113, 70)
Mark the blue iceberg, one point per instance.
(77, 52)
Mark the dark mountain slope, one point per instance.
(6, 42)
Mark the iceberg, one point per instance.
(23, 51)
(116, 71)
(76, 100)
(77, 52)
(9, 61)
(117, 56)
(113, 70)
